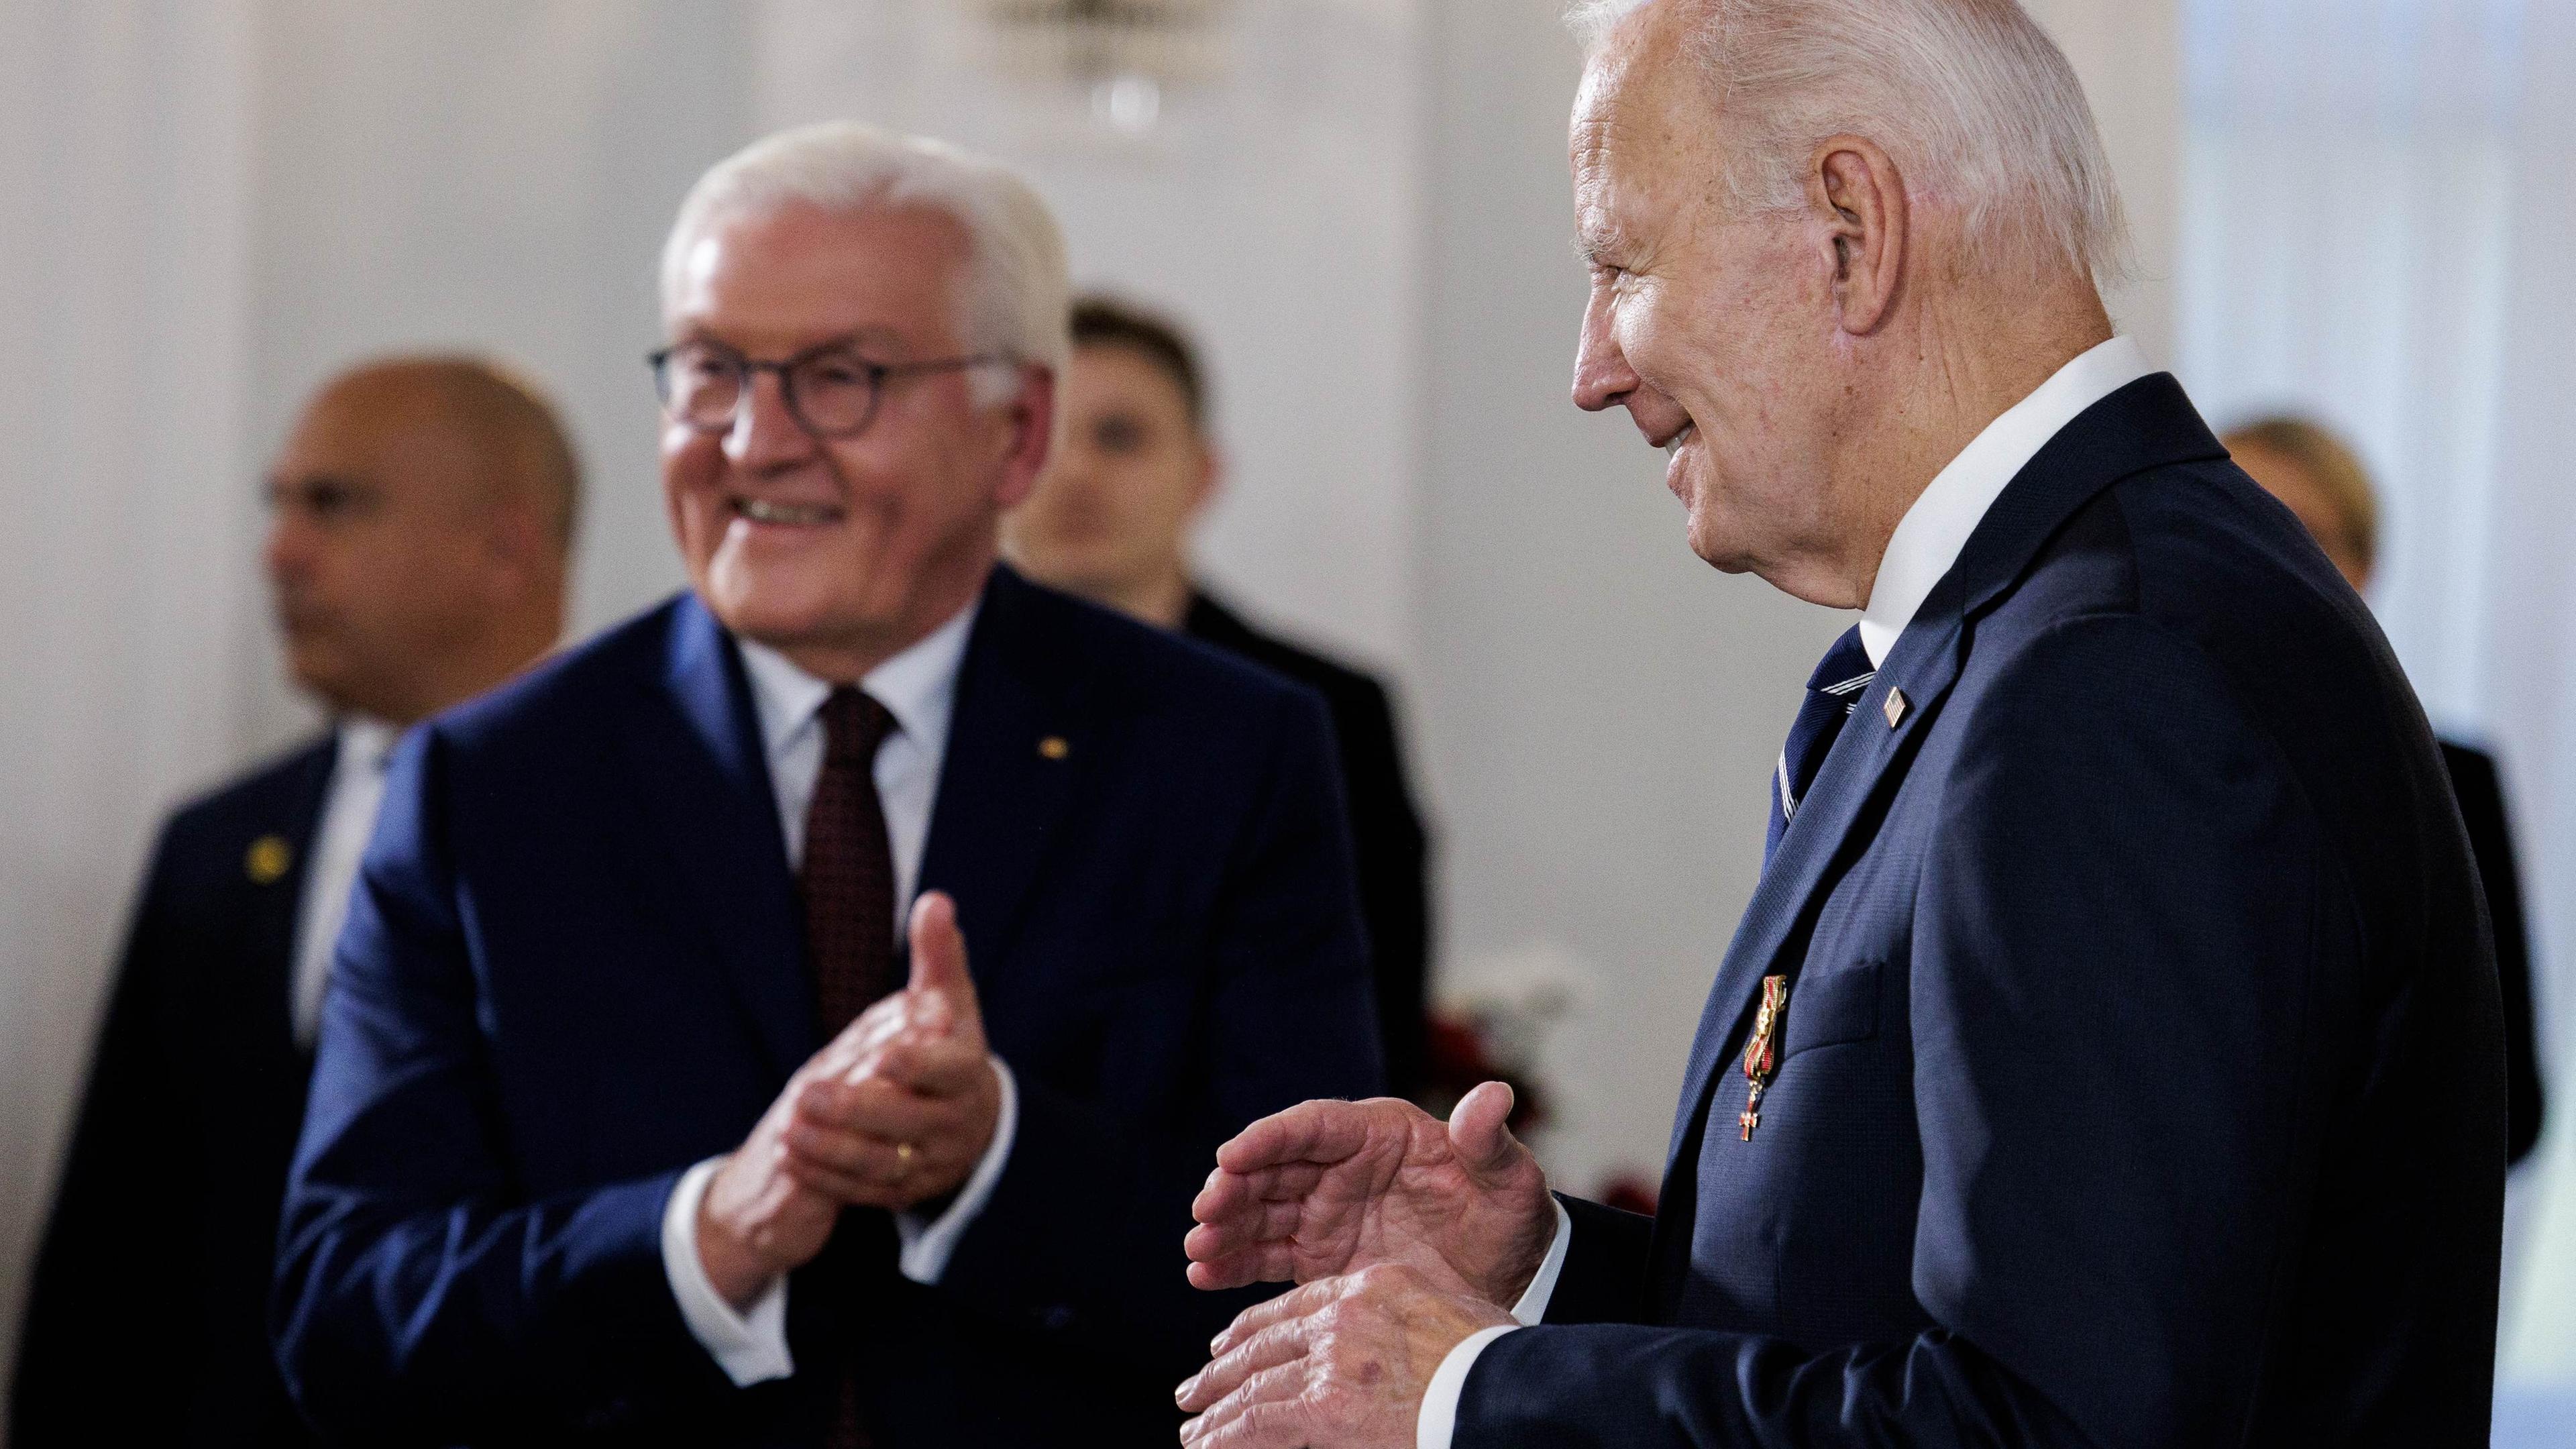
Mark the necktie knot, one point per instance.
(1833, 692)
(854, 724)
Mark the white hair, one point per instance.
(1975, 103)
(1015, 293)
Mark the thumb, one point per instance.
(939, 954)
(1476, 1131)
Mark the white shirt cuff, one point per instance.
(927, 1246)
(1438, 1421)
(1533, 1303)
(750, 1347)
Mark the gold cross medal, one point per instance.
(1762, 1051)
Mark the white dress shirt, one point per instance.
(348, 818)
(918, 687)
(1926, 543)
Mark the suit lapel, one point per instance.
(2149, 423)
(705, 781)
(1019, 740)
(1863, 765)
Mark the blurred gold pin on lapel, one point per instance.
(1895, 707)
(267, 859)
(1054, 747)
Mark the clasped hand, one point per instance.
(892, 1113)
(1409, 1235)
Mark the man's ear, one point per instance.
(1031, 414)
(520, 546)
(1854, 186)
(1211, 479)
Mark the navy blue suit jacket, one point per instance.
(157, 1257)
(2142, 1080)
(575, 966)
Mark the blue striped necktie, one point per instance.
(1833, 692)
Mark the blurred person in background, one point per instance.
(2322, 480)
(421, 522)
(659, 1098)
(1110, 520)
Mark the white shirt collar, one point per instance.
(366, 743)
(1928, 539)
(918, 686)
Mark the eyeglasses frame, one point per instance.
(879, 373)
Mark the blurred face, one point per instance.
(381, 553)
(1715, 331)
(841, 551)
(1112, 512)
(2284, 478)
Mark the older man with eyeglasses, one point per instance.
(656, 1099)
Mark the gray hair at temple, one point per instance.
(1016, 287)
(1975, 103)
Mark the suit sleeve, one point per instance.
(422, 1296)
(1604, 1279)
(1082, 1236)
(111, 1260)
(2121, 937)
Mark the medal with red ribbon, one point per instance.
(1762, 1050)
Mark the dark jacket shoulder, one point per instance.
(1342, 686)
(206, 839)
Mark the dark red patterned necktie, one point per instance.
(848, 876)
(847, 881)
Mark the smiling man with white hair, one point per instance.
(2111, 1051)
(656, 1100)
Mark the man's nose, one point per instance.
(1602, 378)
(765, 432)
(288, 550)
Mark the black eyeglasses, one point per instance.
(830, 390)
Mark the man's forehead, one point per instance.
(882, 272)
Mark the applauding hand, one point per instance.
(1327, 1188)
(893, 1112)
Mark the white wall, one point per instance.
(124, 152)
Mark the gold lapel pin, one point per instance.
(1054, 747)
(1895, 707)
(266, 861)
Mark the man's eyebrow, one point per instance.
(1596, 241)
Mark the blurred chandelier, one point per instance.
(1124, 53)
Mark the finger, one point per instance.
(875, 1027)
(880, 1108)
(1273, 1346)
(1476, 1131)
(946, 1066)
(939, 954)
(1288, 1307)
(1227, 1193)
(1255, 1225)
(1267, 1263)
(1320, 1131)
(1278, 1418)
(847, 1189)
(854, 1154)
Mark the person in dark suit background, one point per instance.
(641, 1114)
(2319, 477)
(2111, 1051)
(421, 515)
(1110, 520)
